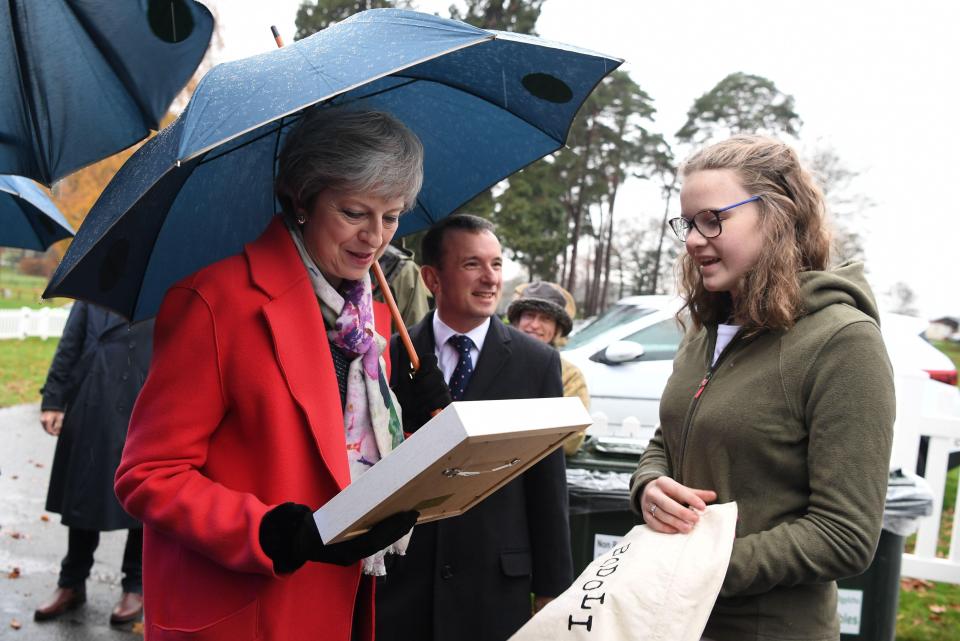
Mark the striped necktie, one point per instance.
(461, 374)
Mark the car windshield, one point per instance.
(613, 317)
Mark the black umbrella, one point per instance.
(83, 79)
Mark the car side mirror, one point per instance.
(621, 352)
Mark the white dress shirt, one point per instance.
(447, 355)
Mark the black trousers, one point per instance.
(81, 544)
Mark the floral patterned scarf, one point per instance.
(371, 413)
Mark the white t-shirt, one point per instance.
(725, 334)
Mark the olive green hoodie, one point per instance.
(796, 427)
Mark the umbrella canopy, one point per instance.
(28, 218)
(83, 79)
(485, 104)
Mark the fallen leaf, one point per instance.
(14, 477)
(38, 464)
(138, 628)
(14, 573)
(15, 624)
(937, 609)
(44, 517)
(16, 535)
(915, 585)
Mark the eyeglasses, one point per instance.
(707, 221)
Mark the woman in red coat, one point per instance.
(267, 395)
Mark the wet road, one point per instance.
(32, 547)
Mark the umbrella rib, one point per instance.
(409, 81)
(426, 211)
(253, 140)
(117, 71)
(276, 150)
(103, 235)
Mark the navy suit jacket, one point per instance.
(469, 578)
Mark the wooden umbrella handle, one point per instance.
(395, 314)
(276, 36)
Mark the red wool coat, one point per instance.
(240, 412)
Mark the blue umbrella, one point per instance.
(83, 79)
(484, 103)
(28, 218)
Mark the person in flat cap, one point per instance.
(545, 311)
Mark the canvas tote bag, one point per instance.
(651, 587)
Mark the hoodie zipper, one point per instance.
(703, 383)
(695, 401)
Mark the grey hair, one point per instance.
(349, 149)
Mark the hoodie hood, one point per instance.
(845, 285)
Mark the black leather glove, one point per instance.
(289, 536)
(421, 393)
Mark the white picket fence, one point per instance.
(47, 322)
(929, 408)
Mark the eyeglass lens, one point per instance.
(706, 222)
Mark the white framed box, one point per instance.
(457, 459)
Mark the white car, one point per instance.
(908, 350)
(626, 356)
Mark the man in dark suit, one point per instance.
(469, 578)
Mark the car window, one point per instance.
(614, 317)
(659, 341)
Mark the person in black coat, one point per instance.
(469, 578)
(99, 367)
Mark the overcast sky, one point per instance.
(875, 80)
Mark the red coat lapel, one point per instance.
(300, 343)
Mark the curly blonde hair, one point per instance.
(793, 221)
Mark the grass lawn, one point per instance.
(930, 611)
(23, 368)
(20, 290)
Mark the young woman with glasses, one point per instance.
(781, 397)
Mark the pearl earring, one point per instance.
(301, 219)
